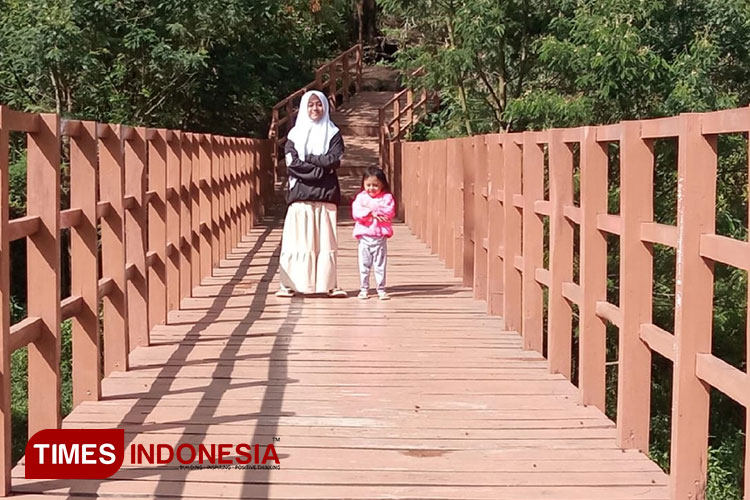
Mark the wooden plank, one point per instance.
(697, 164)
(5, 295)
(609, 312)
(195, 209)
(71, 306)
(609, 223)
(512, 221)
(174, 213)
(481, 221)
(636, 275)
(205, 203)
(724, 377)
(25, 332)
(593, 268)
(533, 243)
(495, 226)
(560, 312)
(662, 234)
(84, 243)
(658, 340)
(111, 189)
(728, 251)
(136, 237)
(18, 121)
(43, 277)
(186, 216)
(23, 227)
(70, 218)
(156, 257)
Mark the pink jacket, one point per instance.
(363, 209)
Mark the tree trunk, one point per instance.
(460, 82)
(369, 21)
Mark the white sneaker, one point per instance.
(337, 293)
(383, 295)
(362, 295)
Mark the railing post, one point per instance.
(43, 262)
(135, 238)
(195, 211)
(396, 169)
(243, 195)
(593, 275)
(480, 217)
(466, 157)
(233, 209)
(174, 207)
(696, 215)
(359, 67)
(454, 176)
(83, 266)
(410, 107)
(157, 228)
(381, 137)
(223, 222)
(430, 217)
(186, 170)
(636, 264)
(111, 180)
(397, 118)
(332, 82)
(216, 243)
(512, 236)
(560, 335)
(440, 193)
(533, 243)
(5, 375)
(205, 226)
(345, 76)
(495, 225)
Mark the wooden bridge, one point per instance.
(453, 389)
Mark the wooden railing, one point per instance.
(480, 203)
(334, 78)
(168, 205)
(395, 121)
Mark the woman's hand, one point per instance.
(380, 218)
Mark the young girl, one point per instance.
(373, 210)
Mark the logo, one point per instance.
(99, 453)
(74, 453)
(221, 456)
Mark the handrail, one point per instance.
(480, 203)
(122, 221)
(411, 114)
(330, 81)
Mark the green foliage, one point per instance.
(215, 65)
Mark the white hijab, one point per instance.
(311, 137)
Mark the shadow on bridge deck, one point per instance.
(422, 397)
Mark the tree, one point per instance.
(215, 65)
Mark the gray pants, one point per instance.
(373, 252)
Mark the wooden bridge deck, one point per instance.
(421, 397)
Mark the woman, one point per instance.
(313, 152)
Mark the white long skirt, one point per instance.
(308, 247)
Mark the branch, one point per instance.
(498, 104)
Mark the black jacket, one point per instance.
(316, 178)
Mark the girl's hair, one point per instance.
(379, 174)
